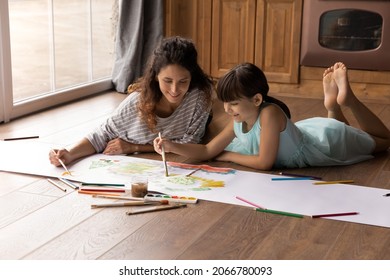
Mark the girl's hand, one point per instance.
(63, 154)
(157, 145)
(118, 146)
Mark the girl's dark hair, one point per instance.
(172, 50)
(246, 80)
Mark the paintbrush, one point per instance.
(192, 172)
(163, 157)
(64, 166)
(62, 163)
(155, 208)
(128, 203)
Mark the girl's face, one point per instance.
(174, 81)
(244, 109)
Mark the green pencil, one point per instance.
(103, 185)
(280, 213)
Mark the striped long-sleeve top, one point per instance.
(187, 124)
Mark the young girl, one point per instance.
(173, 97)
(262, 136)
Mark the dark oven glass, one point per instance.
(350, 30)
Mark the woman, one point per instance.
(173, 97)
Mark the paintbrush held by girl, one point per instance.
(262, 136)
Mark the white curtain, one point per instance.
(140, 29)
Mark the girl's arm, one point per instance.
(273, 121)
(198, 151)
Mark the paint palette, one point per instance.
(170, 198)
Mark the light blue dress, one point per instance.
(311, 142)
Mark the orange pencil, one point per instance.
(99, 193)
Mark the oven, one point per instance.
(354, 32)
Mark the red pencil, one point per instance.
(335, 215)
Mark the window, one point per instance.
(55, 48)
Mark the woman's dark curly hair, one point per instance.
(171, 51)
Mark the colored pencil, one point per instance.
(99, 193)
(279, 213)
(70, 184)
(119, 197)
(163, 157)
(20, 138)
(57, 185)
(291, 178)
(90, 189)
(333, 182)
(250, 203)
(103, 185)
(299, 175)
(156, 208)
(334, 215)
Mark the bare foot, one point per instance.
(330, 90)
(345, 94)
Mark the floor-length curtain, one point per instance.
(140, 28)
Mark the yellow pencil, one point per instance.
(334, 182)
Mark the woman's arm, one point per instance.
(81, 149)
(273, 122)
(198, 151)
(118, 146)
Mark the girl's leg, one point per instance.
(330, 96)
(367, 120)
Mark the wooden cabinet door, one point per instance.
(191, 19)
(233, 30)
(278, 33)
(228, 32)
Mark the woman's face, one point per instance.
(174, 82)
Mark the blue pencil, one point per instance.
(291, 179)
(299, 175)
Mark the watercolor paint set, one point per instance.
(170, 198)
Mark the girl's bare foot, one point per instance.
(345, 94)
(330, 90)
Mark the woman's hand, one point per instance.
(118, 146)
(60, 154)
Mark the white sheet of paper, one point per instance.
(300, 197)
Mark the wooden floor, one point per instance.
(38, 221)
